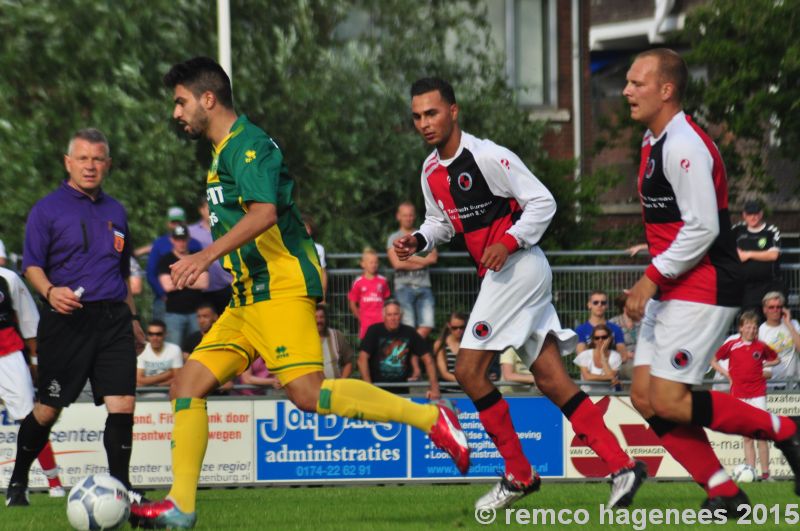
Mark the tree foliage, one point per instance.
(751, 49)
(337, 104)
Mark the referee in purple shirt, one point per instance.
(77, 256)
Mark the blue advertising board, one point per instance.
(295, 446)
(538, 422)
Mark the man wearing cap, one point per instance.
(162, 246)
(759, 247)
(181, 304)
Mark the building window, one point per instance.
(525, 31)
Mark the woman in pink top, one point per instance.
(368, 293)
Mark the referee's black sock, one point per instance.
(118, 440)
(31, 439)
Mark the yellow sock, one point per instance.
(189, 442)
(360, 400)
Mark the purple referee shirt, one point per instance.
(78, 241)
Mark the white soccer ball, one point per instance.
(98, 502)
(744, 473)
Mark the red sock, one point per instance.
(587, 421)
(496, 419)
(47, 460)
(731, 415)
(690, 447)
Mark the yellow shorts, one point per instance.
(282, 331)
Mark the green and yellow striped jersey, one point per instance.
(281, 262)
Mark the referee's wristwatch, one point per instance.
(135, 317)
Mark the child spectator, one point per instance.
(600, 362)
(368, 293)
(446, 347)
(748, 372)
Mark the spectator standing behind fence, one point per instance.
(598, 305)
(600, 362)
(155, 251)
(630, 331)
(337, 354)
(137, 277)
(219, 288)
(156, 365)
(782, 334)
(311, 229)
(748, 369)
(759, 248)
(368, 293)
(182, 303)
(513, 369)
(445, 348)
(387, 349)
(412, 279)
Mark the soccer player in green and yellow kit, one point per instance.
(261, 240)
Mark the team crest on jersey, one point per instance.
(681, 359)
(505, 164)
(651, 167)
(54, 389)
(757, 355)
(482, 330)
(119, 241)
(685, 164)
(465, 181)
(762, 242)
(249, 156)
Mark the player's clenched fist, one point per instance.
(405, 246)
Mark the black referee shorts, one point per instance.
(94, 343)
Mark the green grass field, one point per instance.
(423, 507)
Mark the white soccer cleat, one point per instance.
(57, 492)
(507, 491)
(625, 483)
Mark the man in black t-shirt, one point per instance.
(181, 303)
(759, 247)
(386, 351)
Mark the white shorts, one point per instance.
(16, 386)
(514, 309)
(757, 401)
(678, 338)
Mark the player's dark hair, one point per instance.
(429, 84)
(91, 135)
(749, 317)
(199, 75)
(671, 67)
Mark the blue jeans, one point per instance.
(417, 304)
(180, 325)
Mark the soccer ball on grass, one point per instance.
(98, 502)
(744, 473)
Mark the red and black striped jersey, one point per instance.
(18, 313)
(684, 193)
(486, 193)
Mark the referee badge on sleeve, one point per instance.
(119, 241)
